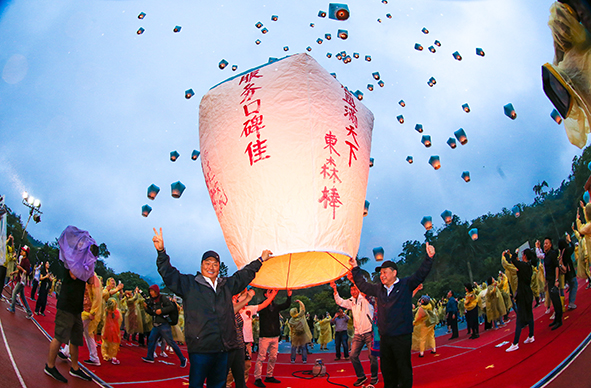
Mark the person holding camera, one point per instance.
(162, 309)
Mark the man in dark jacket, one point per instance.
(160, 307)
(551, 268)
(395, 319)
(209, 314)
(269, 331)
(452, 314)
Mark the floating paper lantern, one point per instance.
(473, 234)
(457, 56)
(586, 197)
(317, 217)
(356, 55)
(368, 58)
(223, 63)
(400, 119)
(460, 134)
(339, 56)
(418, 47)
(409, 159)
(264, 30)
(556, 116)
(379, 20)
(347, 59)
(510, 111)
(480, 52)
(189, 93)
(378, 253)
(257, 42)
(370, 87)
(381, 83)
(426, 140)
(321, 14)
(174, 156)
(389, 16)
(312, 25)
(402, 103)
(427, 222)
(516, 211)
(419, 128)
(153, 191)
(146, 209)
(177, 189)
(366, 208)
(432, 49)
(466, 108)
(319, 41)
(195, 154)
(359, 95)
(452, 143)
(425, 30)
(338, 11)
(234, 67)
(140, 31)
(431, 81)
(466, 176)
(329, 55)
(258, 25)
(376, 75)
(327, 36)
(437, 43)
(447, 216)
(286, 48)
(272, 59)
(384, 1)
(177, 29)
(274, 18)
(371, 162)
(334, 75)
(435, 162)
(141, 15)
(308, 48)
(343, 34)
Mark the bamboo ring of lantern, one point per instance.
(296, 134)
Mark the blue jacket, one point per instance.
(394, 310)
(452, 306)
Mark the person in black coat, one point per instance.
(452, 314)
(524, 297)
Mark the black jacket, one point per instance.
(164, 304)
(209, 314)
(269, 326)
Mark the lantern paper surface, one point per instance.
(292, 129)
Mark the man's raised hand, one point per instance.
(430, 250)
(158, 240)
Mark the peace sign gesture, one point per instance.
(158, 240)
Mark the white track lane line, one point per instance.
(18, 373)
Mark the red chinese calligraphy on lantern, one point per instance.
(256, 150)
(351, 114)
(331, 197)
(219, 199)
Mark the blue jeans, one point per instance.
(20, 290)
(304, 349)
(210, 366)
(341, 338)
(573, 284)
(356, 346)
(165, 332)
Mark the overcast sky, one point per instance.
(90, 110)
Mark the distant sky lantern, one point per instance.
(141, 15)
(189, 93)
(356, 55)
(176, 189)
(435, 162)
(457, 56)
(366, 208)
(381, 83)
(327, 36)
(274, 18)
(264, 30)
(437, 43)
(286, 48)
(384, 1)
(432, 81)
(174, 156)
(176, 29)
(376, 75)
(426, 140)
(466, 108)
(389, 16)
(321, 14)
(334, 75)
(339, 56)
(359, 95)
(418, 47)
(480, 52)
(419, 128)
(343, 34)
(516, 211)
(315, 199)
(259, 25)
(234, 67)
(378, 253)
(473, 234)
(371, 160)
(427, 222)
(195, 154)
(257, 42)
(370, 87)
(347, 59)
(402, 103)
(452, 143)
(328, 55)
(223, 63)
(312, 25)
(432, 49)
(447, 216)
(319, 41)
(556, 116)
(146, 209)
(400, 119)
(510, 111)
(409, 159)
(379, 20)
(425, 30)
(460, 134)
(308, 48)
(153, 191)
(368, 58)
(466, 176)
(338, 11)
(140, 30)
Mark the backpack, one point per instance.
(173, 317)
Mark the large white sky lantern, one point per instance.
(285, 150)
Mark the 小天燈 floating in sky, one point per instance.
(473, 234)
(321, 14)
(389, 16)
(223, 63)
(402, 103)
(419, 128)
(400, 119)
(460, 134)
(359, 95)
(426, 140)
(457, 56)
(308, 48)
(452, 143)
(556, 116)
(480, 52)
(368, 58)
(195, 154)
(409, 159)
(435, 162)
(174, 155)
(319, 41)
(176, 189)
(425, 30)
(258, 25)
(437, 43)
(376, 75)
(338, 11)
(234, 67)
(447, 216)
(356, 55)
(146, 209)
(274, 18)
(140, 31)
(189, 93)
(343, 34)
(466, 107)
(257, 42)
(516, 211)
(381, 83)
(329, 55)
(327, 36)
(418, 47)
(264, 30)
(366, 208)
(510, 111)
(378, 253)
(141, 15)
(432, 49)
(432, 81)
(176, 29)
(371, 162)
(153, 191)
(466, 176)
(427, 222)
(286, 48)
(370, 87)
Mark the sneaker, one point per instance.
(10, 310)
(272, 380)
(304, 362)
(292, 361)
(259, 383)
(115, 361)
(163, 355)
(61, 355)
(553, 316)
(80, 374)
(42, 314)
(29, 316)
(512, 348)
(374, 380)
(146, 359)
(572, 306)
(184, 363)
(53, 372)
(547, 311)
(529, 340)
(90, 362)
(360, 381)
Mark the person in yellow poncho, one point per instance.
(583, 251)
(325, 332)
(471, 305)
(495, 306)
(300, 332)
(423, 335)
(8, 259)
(507, 299)
(92, 318)
(111, 334)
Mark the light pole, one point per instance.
(34, 204)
